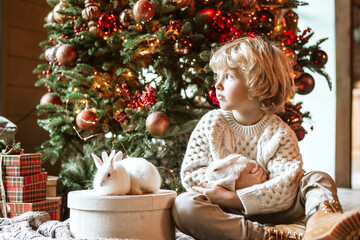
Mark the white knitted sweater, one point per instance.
(271, 142)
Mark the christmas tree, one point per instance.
(134, 75)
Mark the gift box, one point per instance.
(23, 159)
(25, 189)
(21, 165)
(21, 170)
(50, 205)
(51, 186)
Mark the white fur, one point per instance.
(224, 172)
(129, 176)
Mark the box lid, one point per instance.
(52, 180)
(22, 159)
(11, 181)
(45, 205)
(88, 200)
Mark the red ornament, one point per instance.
(319, 58)
(216, 25)
(305, 84)
(211, 97)
(86, 119)
(108, 22)
(52, 98)
(263, 22)
(143, 10)
(222, 22)
(157, 123)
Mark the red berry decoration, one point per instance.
(263, 22)
(319, 58)
(211, 97)
(86, 119)
(52, 98)
(66, 54)
(157, 123)
(143, 11)
(209, 14)
(305, 84)
(108, 22)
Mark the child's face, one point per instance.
(231, 90)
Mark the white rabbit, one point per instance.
(111, 177)
(225, 172)
(143, 177)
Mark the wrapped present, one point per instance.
(51, 186)
(21, 170)
(21, 165)
(25, 189)
(22, 159)
(50, 205)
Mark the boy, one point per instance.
(253, 81)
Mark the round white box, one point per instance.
(145, 216)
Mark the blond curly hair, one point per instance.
(267, 70)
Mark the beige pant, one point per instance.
(196, 216)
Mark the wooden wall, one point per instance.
(343, 93)
(22, 28)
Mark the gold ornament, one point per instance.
(157, 123)
(59, 17)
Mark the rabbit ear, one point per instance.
(111, 159)
(112, 154)
(104, 156)
(118, 156)
(97, 160)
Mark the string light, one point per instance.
(173, 176)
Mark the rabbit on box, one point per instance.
(132, 176)
(225, 172)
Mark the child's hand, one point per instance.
(219, 195)
(252, 174)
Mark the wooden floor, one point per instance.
(349, 198)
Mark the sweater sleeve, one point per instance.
(197, 157)
(284, 169)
